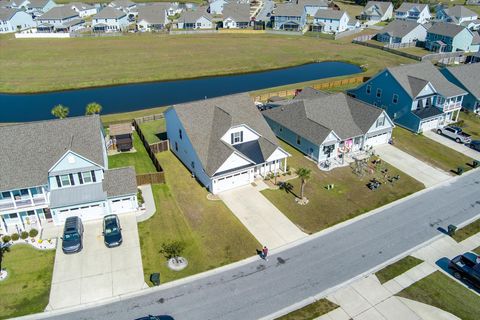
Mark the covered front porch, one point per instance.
(290, 26)
(16, 222)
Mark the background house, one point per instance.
(39, 7)
(456, 14)
(196, 19)
(448, 37)
(466, 77)
(417, 12)
(83, 9)
(56, 19)
(13, 20)
(289, 17)
(331, 21)
(110, 20)
(236, 15)
(151, 18)
(402, 31)
(377, 11)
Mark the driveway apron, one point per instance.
(460, 147)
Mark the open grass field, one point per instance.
(430, 151)
(213, 235)
(138, 159)
(27, 288)
(312, 311)
(349, 198)
(397, 268)
(443, 292)
(32, 65)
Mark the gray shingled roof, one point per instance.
(7, 13)
(460, 12)
(206, 121)
(109, 13)
(239, 12)
(81, 5)
(310, 93)
(58, 13)
(414, 77)
(313, 3)
(122, 3)
(469, 76)
(191, 16)
(288, 10)
(314, 119)
(330, 14)
(30, 150)
(445, 29)
(120, 182)
(37, 3)
(77, 195)
(400, 28)
(152, 14)
(381, 5)
(407, 6)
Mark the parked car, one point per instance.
(156, 318)
(475, 145)
(72, 239)
(455, 133)
(463, 267)
(112, 232)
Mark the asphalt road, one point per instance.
(261, 288)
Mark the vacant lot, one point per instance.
(397, 268)
(349, 198)
(138, 159)
(443, 292)
(31, 65)
(27, 288)
(429, 151)
(212, 234)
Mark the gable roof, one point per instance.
(207, 121)
(445, 29)
(59, 13)
(314, 119)
(469, 76)
(407, 6)
(7, 13)
(37, 3)
(381, 5)
(400, 28)
(414, 77)
(460, 12)
(240, 12)
(288, 10)
(310, 93)
(191, 16)
(152, 14)
(313, 3)
(109, 13)
(330, 14)
(120, 182)
(29, 150)
(81, 5)
(122, 3)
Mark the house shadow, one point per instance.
(442, 263)
(162, 136)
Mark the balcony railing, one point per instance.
(6, 204)
(452, 106)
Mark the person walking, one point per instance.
(265, 253)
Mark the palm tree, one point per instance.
(93, 108)
(304, 175)
(60, 111)
(4, 248)
(286, 186)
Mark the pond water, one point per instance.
(131, 97)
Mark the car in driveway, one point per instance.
(72, 239)
(455, 133)
(475, 145)
(465, 267)
(112, 232)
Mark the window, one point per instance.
(395, 98)
(180, 133)
(381, 121)
(193, 165)
(369, 89)
(94, 179)
(87, 177)
(299, 141)
(237, 137)
(379, 93)
(65, 180)
(281, 129)
(176, 146)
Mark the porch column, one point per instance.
(285, 165)
(458, 113)
(31, 197)
(275, 167)
(38, 219)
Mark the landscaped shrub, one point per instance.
(15, 237)
(6, 239)
(24, 235)
(33, 233)
(140, 197)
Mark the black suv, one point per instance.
(112, 231)
(465, 267)
(72, 235)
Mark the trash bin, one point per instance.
(155, 279)
(476, 163)
(460, 171)
(451, 229)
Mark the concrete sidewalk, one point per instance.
(415, 168)
(460, 147)
(264, 221)
(150, 207)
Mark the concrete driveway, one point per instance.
(415, 168)
(264, 221)
(98, 272)
(460, 147)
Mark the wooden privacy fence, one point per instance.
(150, 178)
(159, 146)
(317, 86)
(152, 117)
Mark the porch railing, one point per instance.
(452, 106)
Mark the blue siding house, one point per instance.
(448, 37)
(466, 77)
(416, 96)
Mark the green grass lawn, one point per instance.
(129, 116)
(415, 51)
(467, 231)
(151, 130)
(312, 311)
(471, 124)
(445, 293)
(213, 235)
(397, 268)
(31, 65)
(138, 159)
(430, 151)
(27, 288)
(348, 199)
(350, 7)
(477, 250)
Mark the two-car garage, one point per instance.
(233, 180)
(378, 138)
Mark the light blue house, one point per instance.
(416, 96)
(402, 31)
(329, 126)
(467, 77)
(13, 20)
(289, 17)
(69, 177)
(448, 37)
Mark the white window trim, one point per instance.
(68, 179)
(393, 98)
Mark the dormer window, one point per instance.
(180, 133)
(237, 137)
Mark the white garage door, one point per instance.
(121, 205)
(229, 182)
(429, 125)
(378, 139)
(85, 213)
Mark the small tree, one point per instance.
(60, 111)
(304, 175)
(93, 108)
(4, 248)
(172, 249)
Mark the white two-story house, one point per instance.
(377, 11)
(417, 12)
(195, 19)
(59, 168)
(83, 9)
(331, 21)
(110, 20)
(56, 18)
(225, 142)
(13, 20)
